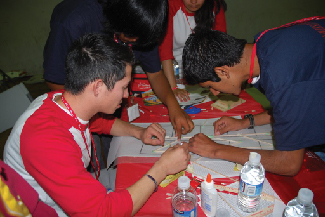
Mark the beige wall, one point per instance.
(24, 25)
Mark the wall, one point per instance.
(24, 25)
(245, 18)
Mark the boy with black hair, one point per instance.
(288, 64)
(139, 22)
(49, 144)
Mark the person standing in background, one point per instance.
(184, 17)
(138, 24)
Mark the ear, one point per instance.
(222, 72)
(97, 87)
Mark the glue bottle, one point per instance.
(209, 197)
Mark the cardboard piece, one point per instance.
(14, 102)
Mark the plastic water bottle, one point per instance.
(209, 197)
(176, 68)
(251, 183)
(302, 205)
(184, 200)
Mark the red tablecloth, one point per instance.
(131, 169)
(311, 175)
(159, 113)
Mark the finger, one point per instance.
(185, 145)
(159, 129)
(190, 124)
(219, 124)
(223, 129)
(185, 127)
(178, 129)
(188, 95)
(179, 96)
(184, 97)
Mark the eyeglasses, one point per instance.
(122, 43)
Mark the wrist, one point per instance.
(153, 180)
(138, 132)
(158, 171)
(174, 88)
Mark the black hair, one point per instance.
(145, 19)
(95, 56)
(204, 17)
(204, 50)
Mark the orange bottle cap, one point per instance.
(208, 178)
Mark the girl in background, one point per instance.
(184, 17)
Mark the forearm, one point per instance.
(259, 119)
(122, 128)
(274, 161)
(162, 89)
(142, 189)
(263, 118)
(168, 70)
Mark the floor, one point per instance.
(40, 88)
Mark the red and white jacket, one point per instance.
(180, 26)
(46, 148)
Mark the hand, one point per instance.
(202, 145)
(181, 94)
(174, 159)
(181, 122)
(153, 135)
(225, 124)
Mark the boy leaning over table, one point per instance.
(49, 144)
(289, 66)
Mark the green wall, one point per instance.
(245, 18)
(24, 25)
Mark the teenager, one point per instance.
(184, 17)
(137, 24)
(288, 64)
(49, 144)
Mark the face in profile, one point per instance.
(113, 97)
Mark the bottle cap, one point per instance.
(208, 178)
(222, 212)
(183, 182)
(208, 181)
(305, 196)
(254, 158)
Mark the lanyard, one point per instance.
(185, 12)
(283, 26)
(83, 136)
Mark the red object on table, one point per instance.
(311, 175)
(130, 170)
(159, 113)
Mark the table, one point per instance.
(159, 113)
(131, 169)
(134, 159)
